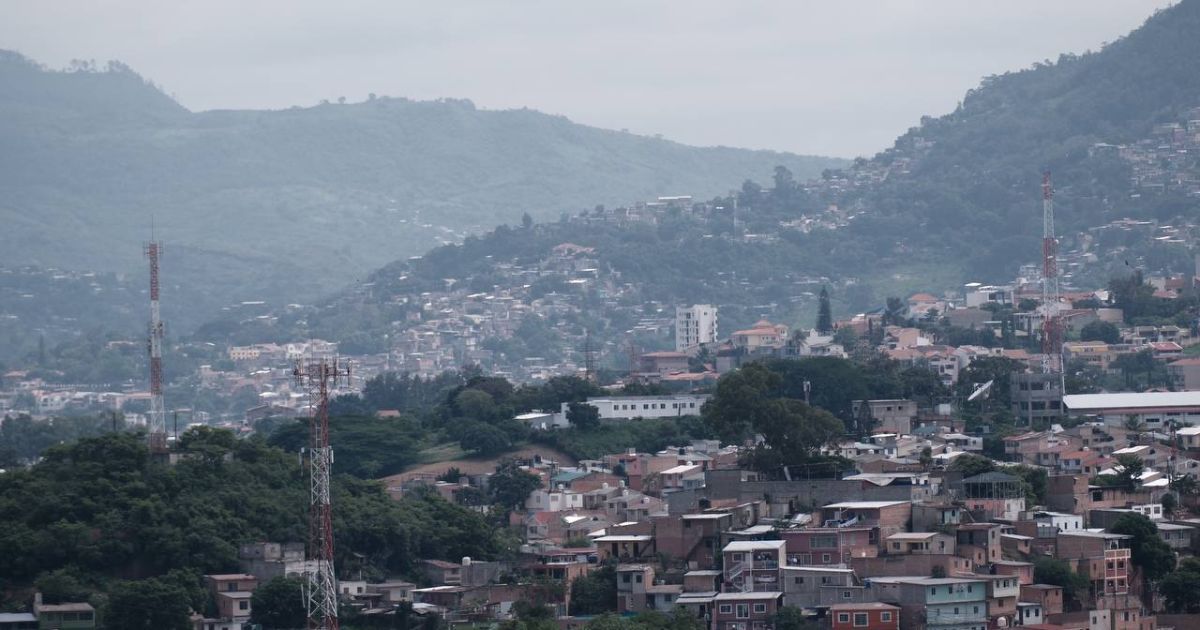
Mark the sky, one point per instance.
(837, 77)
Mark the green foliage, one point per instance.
(1148, 551)
(150, 604)
(1059, 573)
(1100, 331)
(101, 508)
(1181, 588)
(279, 604)
(595, 593)
(1131, 468)
(677, 619)
(792, 618)
(23, 439)
(824, 312)
(650, 435)
(583, 416)
(365, 447)
(510, 485)
(752, 400)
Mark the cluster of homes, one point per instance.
(903, 542)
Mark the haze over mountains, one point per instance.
(266, 204)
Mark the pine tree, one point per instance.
(824, 315)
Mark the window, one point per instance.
(845, 594)
(760, 608)
(725, 609)
(843, 617)
(638, 578)
(825, 558)
(885, 616)
(798, 580)
(743, 611)
(825, 541)
(243, 605)
(933, 590)
(860, 620)
(625, 578)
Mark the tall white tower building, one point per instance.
(695, 325)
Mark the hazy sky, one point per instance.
(835, 77)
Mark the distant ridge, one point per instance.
(291, 203)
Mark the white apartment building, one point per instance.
(630, 407)
(695, 325)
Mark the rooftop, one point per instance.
(1130, 400)
(863, 505)
(754, 545)
(725, 597)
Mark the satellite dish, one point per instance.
(981, 390)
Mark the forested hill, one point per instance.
(255, 204)
(967, 183)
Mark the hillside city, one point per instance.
(377, 362)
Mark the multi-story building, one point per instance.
(1101, 557)
(949, 603)
(753, 565)
(695, 325)
(746, 611)
(809, 587)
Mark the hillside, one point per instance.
(966, 185)
(287, 204)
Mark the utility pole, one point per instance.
(318, 376)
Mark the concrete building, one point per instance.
(1037, 399)
(865, 616)
(631, 407)
(1148, 409)
(935, 603)
(695, 325)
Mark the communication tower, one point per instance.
(1051, 326)
(157, 422)
(318, 376)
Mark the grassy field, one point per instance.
(442, 457)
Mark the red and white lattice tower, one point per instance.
(320, 591)
(1051, 326)
(157, 422)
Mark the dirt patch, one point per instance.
(478, 466)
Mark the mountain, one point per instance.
(284, 205)
(956, 198)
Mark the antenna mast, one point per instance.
(1051, 329)
(318, 376)
(157, 424)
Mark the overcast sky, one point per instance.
(834, 77)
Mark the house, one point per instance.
(829, 545)
(637, 590)
(924, 543)
(616, 408)
(762, 335)
(949, 603)
(442, 572)
(18, 621)
(65, 616)
(995, 495)
(892, 416)
(980, 542)
(753, 565)
(1185, 373)
(392, 592)
(810, 587)
(890, 517)
(865, 616)
(746, 611)
(663, 363)
(1101, 557)
(1048, 596)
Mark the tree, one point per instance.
(61, 586)
(279, 604)
(1147, 549)
(583, 416)
(970, 465)
(792, 618)
(596, 592)
(526, 220)
(1100, 331)
(1169, 505)
(824, 313)
(150, 604)
(926, 458)
(893, 311)
(484, 439)
(1059, 573)
(510, 485)
(1130, 472)
(1181, 588)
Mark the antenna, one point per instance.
(318, 376)
(1051, 330)
(157, 422)
(589, 360)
